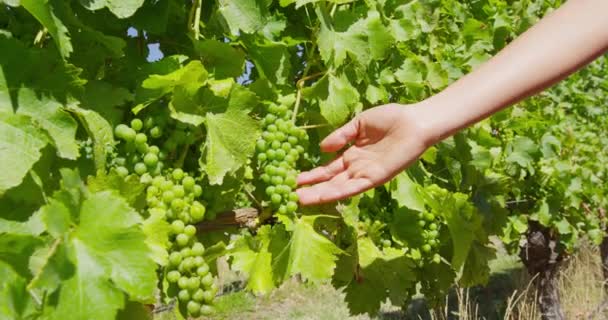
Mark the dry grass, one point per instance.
(510, 296)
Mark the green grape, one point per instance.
(179, 191)
(197, 211)
(272, 128)
(208, 296)
(421, 223)
(183, 282)
(152, 190)
(426, 248)
(198, 295)
(124, 132)
(207, 310)
(202, 271)
(429, 216)
(294, 197)
(177, 204)
(194, 308)
(166, 185)
(291, 207)
(148, 122)
(177, 226)
(156, 132)
(136, 124)
(198, 190)
(175, 258)
(271, 154)
(193, 283)
(276, 180)
(188, 183)
(433, 226)
(433, 234)
(140, 168)
(177, 174)
(190, 230)
(270, 190)
(207, 280)
(436, 258)
(198, 249)
(182, 239)
(275, 145)
(151, 159)
(142, 148)
(261, 145)
(265, 177)
(183, 295)
(282, 209)
(141, 138)
(168, 196)
(186, 252)
(122, 171)
(154, 149)
(262, 157)
(198, 261)
(280, 154)
(173, 276)
(275, 198)
(291, 181)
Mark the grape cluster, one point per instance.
(136, 153)
(430, 225)
(187, 272)
(278, 150)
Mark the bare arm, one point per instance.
(390, 138)
(558, 45)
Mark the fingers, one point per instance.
(323, 173)
(339, 138)
(338, 188)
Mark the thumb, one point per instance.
(340, 137)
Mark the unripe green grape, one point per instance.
(436, 258)
(294, 197)
(272, 128)
(182, 239)
(194, 308)
(198, 190)
(294, 153)
(173, 276)
(262, 157)
(202, 271)
(193, 283)
(426, 248)
(190, 230)
(183, 282)
(270, 190)
(154, 149)
(275, 145)
(300, 149)
(433, 242)
(175, 258)
(207, 310)
(280, 136)
(276, 180)
(291, 207)
(429, 216)
(198, 261)
(152, 190)
(286, 146)
(271, 170)
(291, 181)
(188, 183)
(198, 249)
(151, 159)
(184, 216)
(183, 295)
(122, 171)
(265, 177)
(156, 132)
(198, 295)
(275, 199)
(140, 138)
(177, 227)
(282, 209)
(281, 172)
(166, 185)
(292, 140)
(433, 226)
(386, 243)
(177, 204)
(207, 280)
(168, 196)
(270, 118)
(136, 124)
(421, 223)
(197, 212)
(148, 122)
(178, 191)
(208, 296)
(186, 252)
(140, 168)
(271, 154)
(261, 145)
(280, 154)
(433, 234)
(187, 264)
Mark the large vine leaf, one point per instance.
(245, 15)
(253, 257)
(336, 96)
(43, 11)
(51, 116)
(120, 8)
(16, 301)
(19, 148)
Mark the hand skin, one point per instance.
(387, 139)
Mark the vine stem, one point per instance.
(300, 85)
(314, 126)
(197, 19)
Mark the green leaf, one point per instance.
(231, 138)
(129, 188)
(248, 16)
(16, 300)
(120, 8)
(192, 77)
(20, 148)
(272, 60)
(51, 116)
(43, 11)
(337, 98)
(56, 217)
(34, 226)
(335, 46)
(381, 276)
(220, 58)
(380, 38)
(522, 151)
(156, 228)
(99, 130)
(406, 193)
(252, 256)
(308, 253)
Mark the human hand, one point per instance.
(386, 139)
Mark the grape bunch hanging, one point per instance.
(278, 151)
(170, 193)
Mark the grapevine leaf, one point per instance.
(192, 77)
(336, 46)
(20, 148)
(253, 257)
(43, 11)
(231, 137)
(15, 250)
(57, 217)
(382, 275)
(380, 38)
(52, 117)
(120, 8)
(246, 15)
(50, 266)
(405, 192)
(32, 227)
(16, 301)
(99, 130)
(308, 253)
(105, 99)
(522, 151)
(129, 188)
(337, 98)
(220, 58)
(156, 228)
(476, 270)
(272, 60)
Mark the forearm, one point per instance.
(558, 45)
